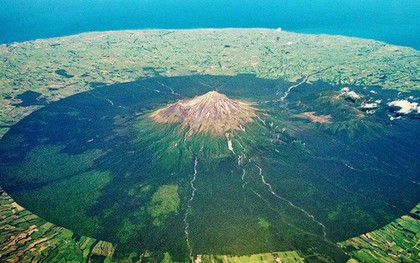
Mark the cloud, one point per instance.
(405, 106)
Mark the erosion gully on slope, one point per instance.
(188, 210)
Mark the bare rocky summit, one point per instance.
(212, 113)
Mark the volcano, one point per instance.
(169, 165)
(212, 113)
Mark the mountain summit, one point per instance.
(212, 113)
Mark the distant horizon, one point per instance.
(393, 22)
(208, 28)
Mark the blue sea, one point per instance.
(392, 21)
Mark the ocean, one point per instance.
(391, 21)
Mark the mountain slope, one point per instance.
(212, 113)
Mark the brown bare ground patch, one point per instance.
(314, 118)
